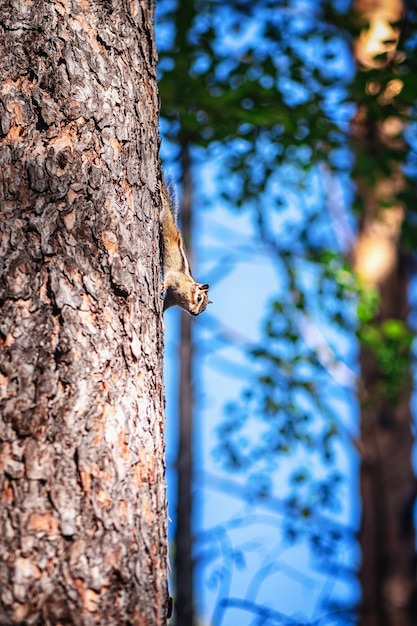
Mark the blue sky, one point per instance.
(240, 291)
(240, 548)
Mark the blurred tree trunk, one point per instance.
(387, 483)
(82, 493)
(184, 566)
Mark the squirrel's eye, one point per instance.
(199, 298)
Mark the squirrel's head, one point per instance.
(199, 299)
(187, 294)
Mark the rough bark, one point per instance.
(82, 495)
(387, 483)
(184, 565)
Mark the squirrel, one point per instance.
(179, 285)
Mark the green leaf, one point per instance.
(394, 329)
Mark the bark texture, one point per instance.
(82, 494)
(387, 482)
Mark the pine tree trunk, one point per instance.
(82, 494)
(387, 482)
(184, 564)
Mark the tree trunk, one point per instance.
(387, 483)
(82, 494)
(184, 565)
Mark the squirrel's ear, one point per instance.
(205, 287)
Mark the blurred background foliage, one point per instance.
(273, 89)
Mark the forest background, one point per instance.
(290, 129)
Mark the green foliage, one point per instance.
(217, 85)
(281, 109)
(368, 305)
(388, 341)
(390, 344)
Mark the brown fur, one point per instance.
(180, 287)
